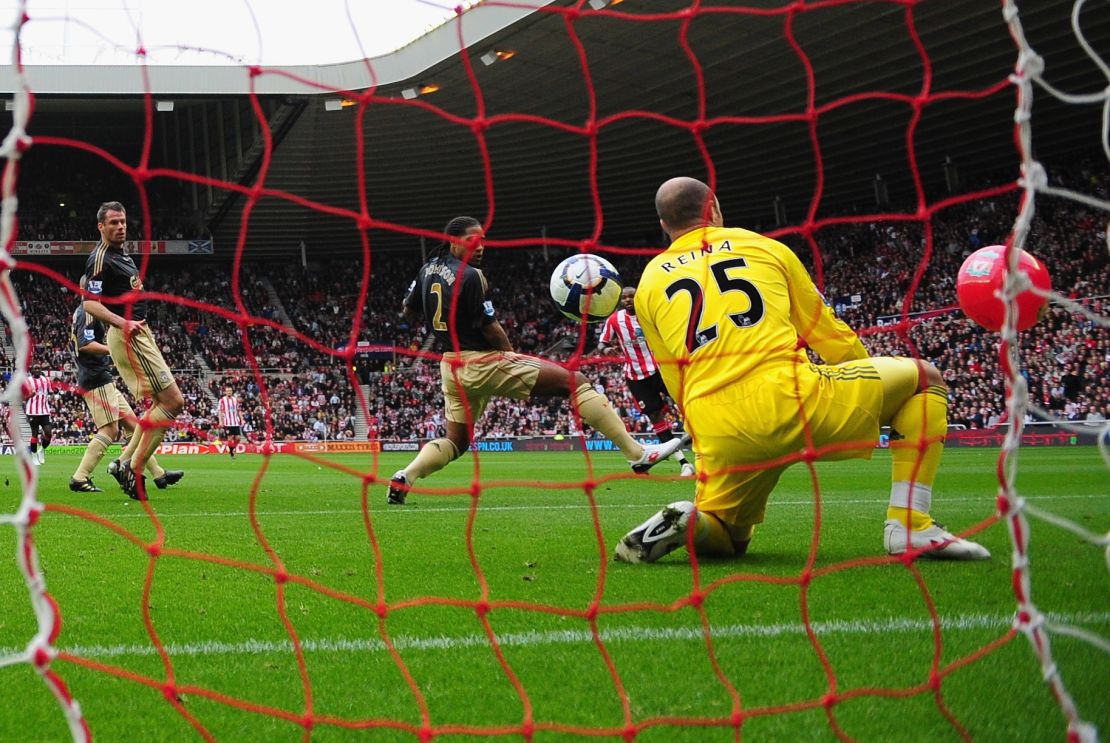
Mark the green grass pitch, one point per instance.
(658, 665)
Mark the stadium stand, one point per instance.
(1068, 358)
(316, 406)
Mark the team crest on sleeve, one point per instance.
(95, 286)
(136, 284)
(164, 376)
(89, 334)
(487, 307)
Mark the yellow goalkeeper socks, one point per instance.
(917, 520)
(917, 442)
(98, 444)
(599, 414)
(917, 436)
(432, 457)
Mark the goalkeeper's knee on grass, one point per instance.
(715, 538)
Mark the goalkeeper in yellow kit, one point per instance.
(728, 314)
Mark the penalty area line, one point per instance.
(826, 503)
(252, 647)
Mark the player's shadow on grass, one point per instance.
(754, 561)
(785, 560)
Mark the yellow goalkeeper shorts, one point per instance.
(747, 434)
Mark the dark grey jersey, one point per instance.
(433, 294)
(93, 369)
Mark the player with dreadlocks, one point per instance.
(452, 296)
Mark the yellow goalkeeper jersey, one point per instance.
(722, 304)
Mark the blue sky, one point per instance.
(288, 33)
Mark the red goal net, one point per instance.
(881, 141)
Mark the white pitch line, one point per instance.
(573, 637)
(380, 511)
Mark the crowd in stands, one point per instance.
(1065, 345)
(317, 406)
(321, 303)
(74, 225)
(867, 271)
(49, 211)
(218, 339)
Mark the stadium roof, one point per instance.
(636, 66)
(109, 32)
(430, 48)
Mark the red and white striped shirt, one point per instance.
(229, 412)
(639, 363)
(38, 396)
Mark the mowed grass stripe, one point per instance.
(574, 637)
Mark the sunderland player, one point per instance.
(451, 294)
(37, 408)
(110, 273)
(232, 423)
(641, 372)
(109, 409)
(728, 312)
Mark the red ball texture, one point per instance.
(982, 274)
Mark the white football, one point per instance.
(586, 287)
